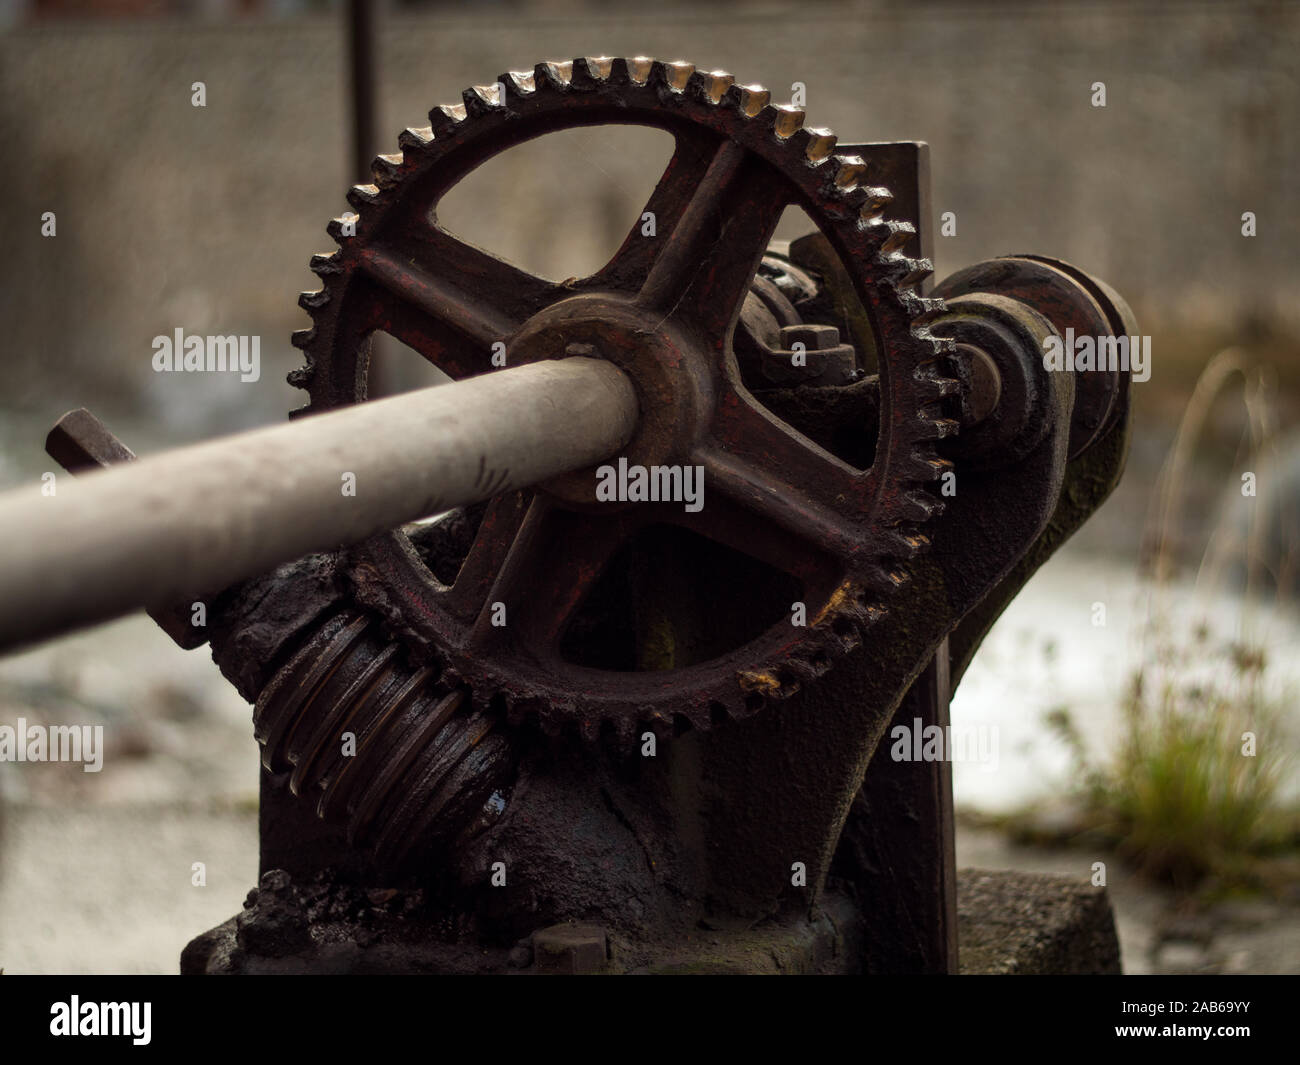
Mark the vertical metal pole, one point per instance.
(361, 69)
(361, 66)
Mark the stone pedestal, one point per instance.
(1009, 922)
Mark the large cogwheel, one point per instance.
(665, 309)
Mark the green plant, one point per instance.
(1193, 789)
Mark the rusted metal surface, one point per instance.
(665, 311)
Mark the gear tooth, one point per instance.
(751, 99)
(300, 376)
(894, 235)
(336, 226)
(798, 140)
(821, 144)
(553, 75)
(854, 199)
(676, 73)
(851, 169)
(302, 338)
(592, 70)
(619, 73)
(902, 542)
(482, 100)
(791, 684)
(941, 427)
(415, 139)
(934, 386)
(887, 578)
(899, 270)
(924, 468)
(386, 169)
(446, 118)
(874, 199)
(362, 196)
(630, 70)
(325, 264)
(517, 84)
(880, 580)
(919, 507)
(711, 85)
(639, 68)
(913, 272)
(313, 301)
(924, 308)
(939, 346)
(846, 625)
(786, 120)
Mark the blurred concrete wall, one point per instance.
(171, 215)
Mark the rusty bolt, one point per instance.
(812, 337)
(570, 949)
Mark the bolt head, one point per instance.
(812, 337)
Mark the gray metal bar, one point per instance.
(200, 518)
(361, 70)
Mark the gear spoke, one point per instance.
(756, 462)
(705, 267)
(729, 522)
(555, 559)
(461, 290)
(761, 494)
(497, 531)
(512, 292)
(439, 343)
(632, 263)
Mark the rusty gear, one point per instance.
(665, 311)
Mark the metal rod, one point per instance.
(361, 69)
(359, 29)
(200, 518)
